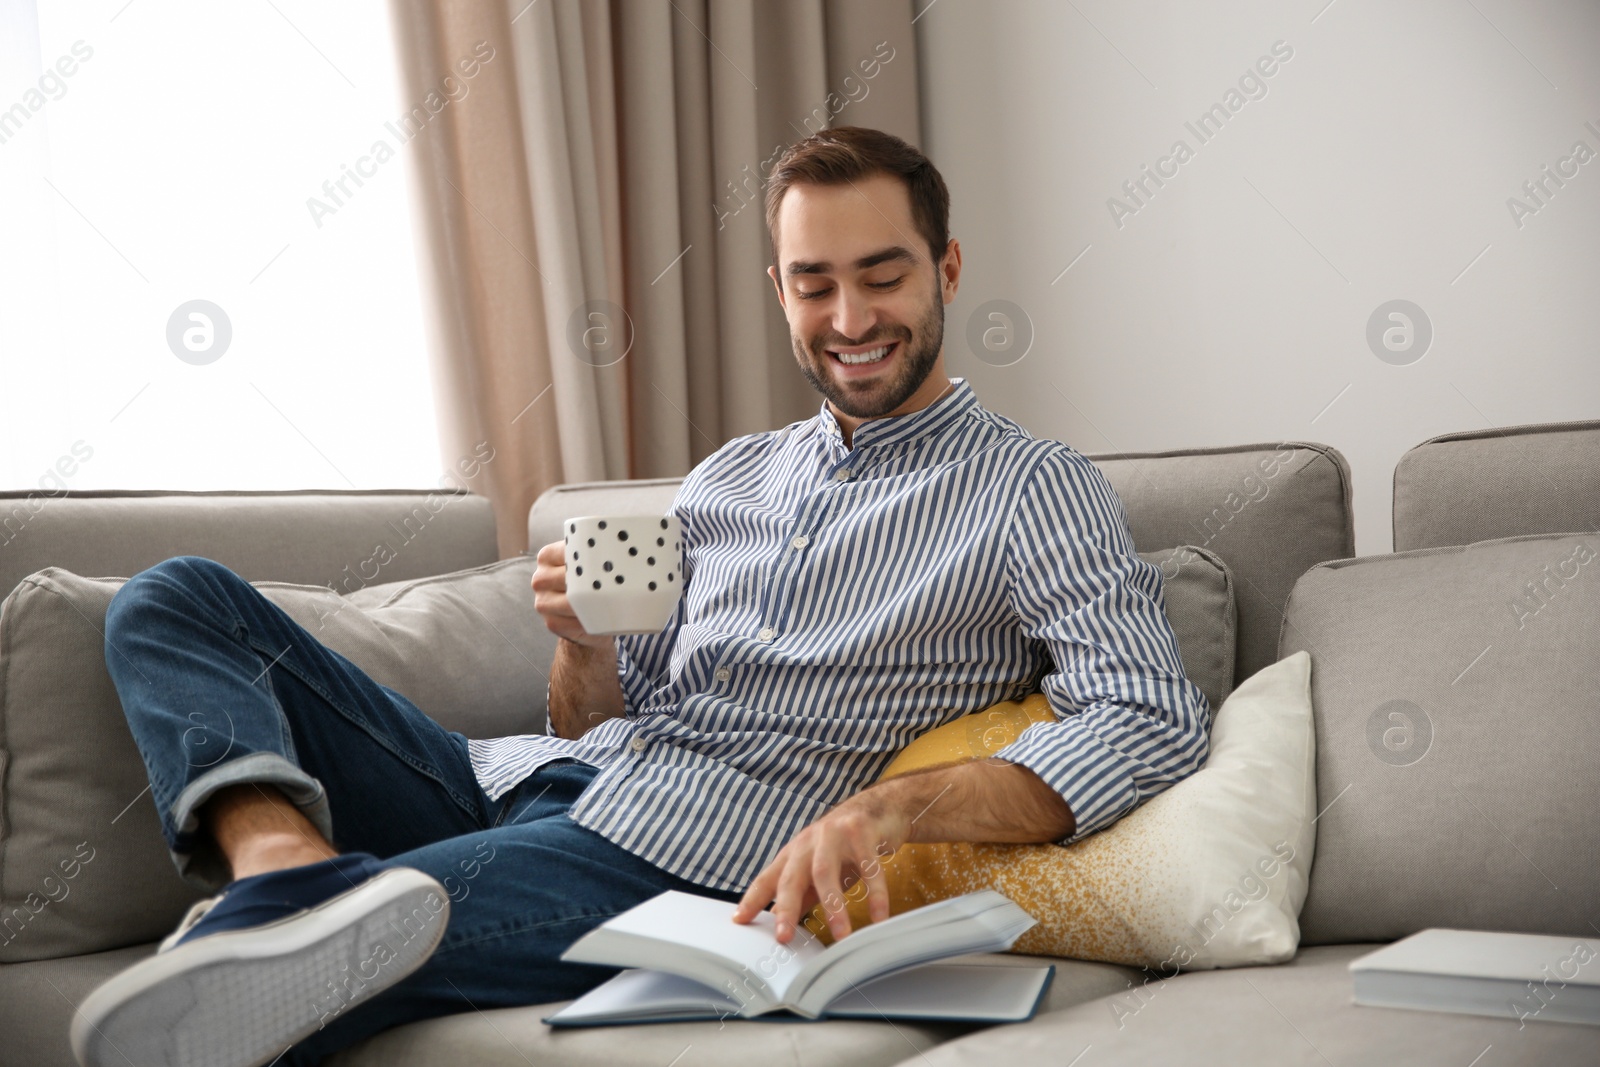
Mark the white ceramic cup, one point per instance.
(624, 572)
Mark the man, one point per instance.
(851, 581)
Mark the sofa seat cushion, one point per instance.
(37, 1001)
(1296, 1014)
(515, 1037)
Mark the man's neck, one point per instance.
(848, 424)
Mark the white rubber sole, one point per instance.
(241, 997)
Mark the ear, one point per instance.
(777, 283)
(950, 270)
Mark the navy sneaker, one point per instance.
(269, 962)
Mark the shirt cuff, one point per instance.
(1091, 776)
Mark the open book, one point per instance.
(695, 962)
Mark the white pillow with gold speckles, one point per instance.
(1210, 873)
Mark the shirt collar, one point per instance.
(884, 431)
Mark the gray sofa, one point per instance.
(1483, 631)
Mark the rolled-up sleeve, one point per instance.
(1129, 722)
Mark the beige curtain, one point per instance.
(591, 194)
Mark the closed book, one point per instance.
(1524, 977)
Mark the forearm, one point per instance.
(983, 800)
(584, 688)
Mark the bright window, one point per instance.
(154, 153)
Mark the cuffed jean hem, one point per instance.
(195, 854)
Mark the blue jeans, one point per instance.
(220, 687)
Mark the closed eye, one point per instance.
(817, 294)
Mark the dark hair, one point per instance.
(846, 153)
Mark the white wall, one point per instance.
(1233, 305)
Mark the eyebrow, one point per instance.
(895, 252)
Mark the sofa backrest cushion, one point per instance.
(83, 867)
(1464, 487)
(1268, 511)
(1456, 732)
(1202, 606)
(341, 539)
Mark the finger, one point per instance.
(793, 884)
(554, 602)
(759, 895)
(806, 925)
(549, 577)
(872, 873)
(556, 611)
(825, 876)
(553, 555)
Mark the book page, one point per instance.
(640, 995)
(661, 932)
(984, 921)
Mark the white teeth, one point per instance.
(872, 355)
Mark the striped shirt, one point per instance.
(839, 602)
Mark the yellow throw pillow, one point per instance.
(1210, 873)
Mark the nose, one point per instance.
(854, 315)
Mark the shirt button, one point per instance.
(723, 674)
(639, 744)
(767, 633)
(842, 474)
(800, 541)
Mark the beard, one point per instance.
(871, 398)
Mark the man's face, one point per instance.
(854, 278)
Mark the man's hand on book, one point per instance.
(848, 844)
(984, 800)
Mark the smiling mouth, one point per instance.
(871, 355)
